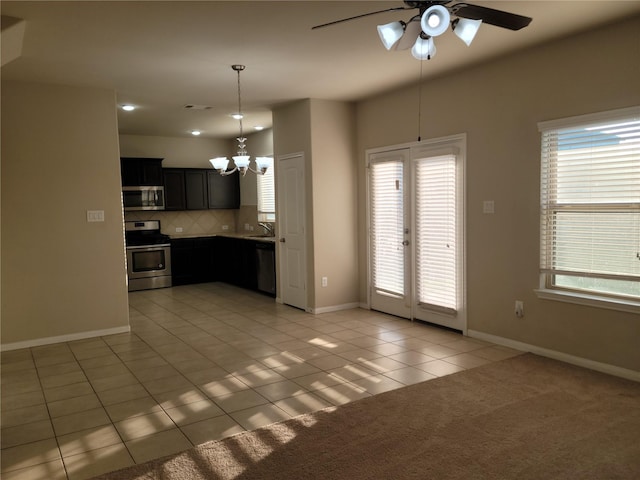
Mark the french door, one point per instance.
(416, 225)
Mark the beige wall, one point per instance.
(62, 277)
(498, 106)
(325, 132)
(334, 194)
(178, 152)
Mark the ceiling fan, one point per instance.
(432, 20)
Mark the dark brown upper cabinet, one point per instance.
(141, 172)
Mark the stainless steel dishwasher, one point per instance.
(266, 267)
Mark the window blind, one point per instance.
(387, 227)
(267, 196)
(590, 204)
(436, 235)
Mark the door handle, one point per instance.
(282, 240)
(405, 243)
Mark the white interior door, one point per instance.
(291, 230)
(416, 220)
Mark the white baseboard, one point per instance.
(563, 357)
(5, 347)
(335, 308)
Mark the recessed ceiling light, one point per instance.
(237, 116)
(195, 132)
(128, 108)
(258, 127)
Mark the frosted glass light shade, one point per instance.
(435, 20)
(264, 163)
(241, 161)
(466, 29)
(219, 163)
(390, 33)
(424, 49)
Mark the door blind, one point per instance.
(590, 205)
(387, 227)
(267, 196)
(436, 233)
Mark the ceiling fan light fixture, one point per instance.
(411, 32)
(435, 20)
(466, 29)
(424, 48)
(390, 33)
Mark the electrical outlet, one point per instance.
(178, 229)
(488, 206)
(225, 227)
(324, 281)
(519, 308)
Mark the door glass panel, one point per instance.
(436, 233)
(387, 227)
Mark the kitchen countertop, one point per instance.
(243, 236)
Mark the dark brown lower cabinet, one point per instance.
(207, 259)
(192, 260)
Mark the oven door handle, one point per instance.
(147, 247)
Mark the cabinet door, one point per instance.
(226, 260)
(203, 262)
(248, 261)
(196, 189)
(136, 172)
(174, 189)
(192, 260)
(151, 171)
(224, 192)
(130, 172)
(181, 262)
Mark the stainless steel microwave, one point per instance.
(143, 198)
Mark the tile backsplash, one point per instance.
(202, 222)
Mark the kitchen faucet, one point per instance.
(268, 227)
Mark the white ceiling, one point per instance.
(161, 56)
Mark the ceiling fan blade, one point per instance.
(360, 16)
(491, 16)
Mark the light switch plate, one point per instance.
(488, 206)
(95, 215)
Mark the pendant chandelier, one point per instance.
(242, 161)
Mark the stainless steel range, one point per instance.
(148, 255)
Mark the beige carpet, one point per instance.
(523, 418)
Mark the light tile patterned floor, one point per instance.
(204, 362)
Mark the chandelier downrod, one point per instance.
(241, 139)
